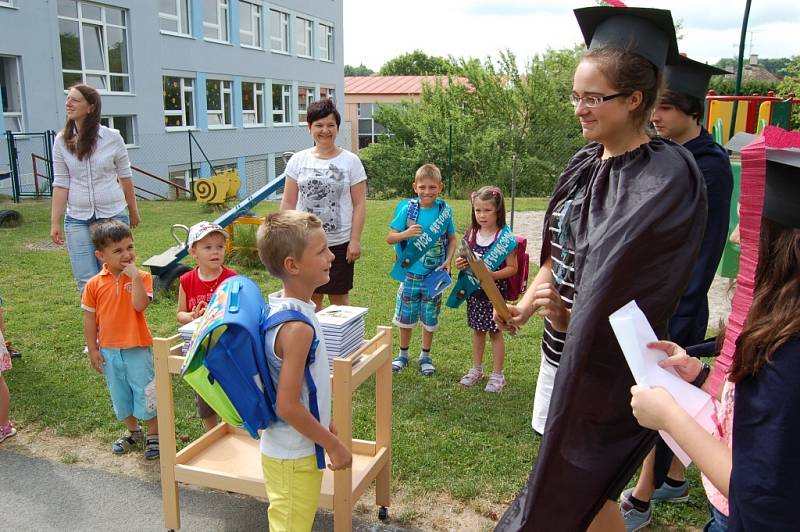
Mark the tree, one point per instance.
(360, 70)
(496, 114)
(418, 63)
(791, 84)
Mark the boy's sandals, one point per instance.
(426, 366)
(473, 377)
(127, 441)
(399, 363)
(496, 383)
(151, 451)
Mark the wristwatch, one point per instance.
(702, 376)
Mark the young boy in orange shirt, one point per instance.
(117, 336)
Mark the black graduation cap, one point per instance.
(690, 77)
(644, 31)
(782, 189)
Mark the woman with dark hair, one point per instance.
(760, 472)
(624, 223)
(91, 182)
(330, 182)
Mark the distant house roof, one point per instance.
(400, 85)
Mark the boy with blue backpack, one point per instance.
(293, 247)
(423, 234)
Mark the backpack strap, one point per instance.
(279, 318)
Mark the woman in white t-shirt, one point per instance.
(91, 182)
(330, 182)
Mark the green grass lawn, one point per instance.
(446, 438)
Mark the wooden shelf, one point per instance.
(229, 459)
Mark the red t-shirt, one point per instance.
(198, 290)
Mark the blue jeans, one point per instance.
(78, 235)
(718, 521)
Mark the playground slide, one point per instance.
(724, 110)
(166, 266)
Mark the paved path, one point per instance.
(42, 496)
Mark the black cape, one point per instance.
(637, 233)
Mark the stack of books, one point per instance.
(186, 331)
(343, 329)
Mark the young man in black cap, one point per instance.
(678, 117)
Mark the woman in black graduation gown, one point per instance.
(761, 476)
(625, 222)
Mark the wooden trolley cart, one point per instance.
(227, 458)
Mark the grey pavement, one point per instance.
(39, 495)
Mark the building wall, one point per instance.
(350, 115)
(152, 54)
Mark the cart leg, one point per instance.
(383, 513)
(166, 430)
(382, 487)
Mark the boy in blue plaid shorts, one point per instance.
(424, 237)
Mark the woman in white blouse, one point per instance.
(91, 182)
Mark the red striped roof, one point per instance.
(405, 85)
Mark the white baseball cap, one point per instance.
(200, 230)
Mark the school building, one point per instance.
(238, 74)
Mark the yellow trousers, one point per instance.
(293, 488)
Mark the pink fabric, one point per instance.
(723, 433)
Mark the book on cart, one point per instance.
(186, 331)
(343, 329)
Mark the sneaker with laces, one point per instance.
(666, 493)
(496, 383)
(473, 377)
(6, 431)
(634, 519)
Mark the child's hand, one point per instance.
(131, 271)
(199, 309)
(445, 267)
(654, 408)
(461, 263)
(96, 360)
(341, 457)
(412, 231)
(548, 303)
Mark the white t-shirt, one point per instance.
(281, 441)
(324, 190)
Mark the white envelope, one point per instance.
(633, 333)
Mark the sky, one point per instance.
(376, 31)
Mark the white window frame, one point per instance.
(222, 26)
(258, 105)
(226, 104)
(304, 100)
(184, 26)
(251, 39)
(326, 42)
(17, 116)
(281, 40)
(104, 24)
(7, 3)
(326, 91)
(304, 27)
(185, 89)
(372, 135)
(108, 121)
(286, 101)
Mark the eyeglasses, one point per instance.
(593, 101)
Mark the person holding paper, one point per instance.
(677, 116)
(760, 471)
(625, 222)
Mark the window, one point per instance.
(368, 130)
(219, 103)
(178, 102)
(215, 20)
(183, 176)
(252, 104)
(327, 92)
(6, 3)
(279, 31)
(123, 124)
(305, 97)
(303, 33)
(326, 42)
(281, 104)
(250, 24)
(94, 45)
(174, 17)
(11, 94)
